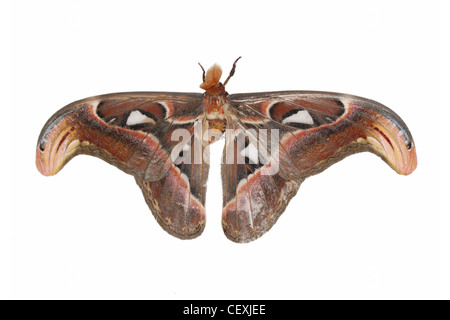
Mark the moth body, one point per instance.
(215, 110)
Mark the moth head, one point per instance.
(211, 81)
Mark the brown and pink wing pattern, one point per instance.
(314, 130)
(133, 131)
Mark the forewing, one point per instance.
(315, 130)
(134, 132)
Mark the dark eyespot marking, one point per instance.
(115, 112)
(408, 144)
(272, 110)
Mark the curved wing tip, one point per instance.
(402, 159)
(40, 166)
(58, 148)
(411, 164)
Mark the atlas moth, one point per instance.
(273, 142)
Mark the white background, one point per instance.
(357, 230)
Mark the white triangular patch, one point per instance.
(251, 152)
(301, 116)
(136, 117)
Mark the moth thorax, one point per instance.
(214, 104)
